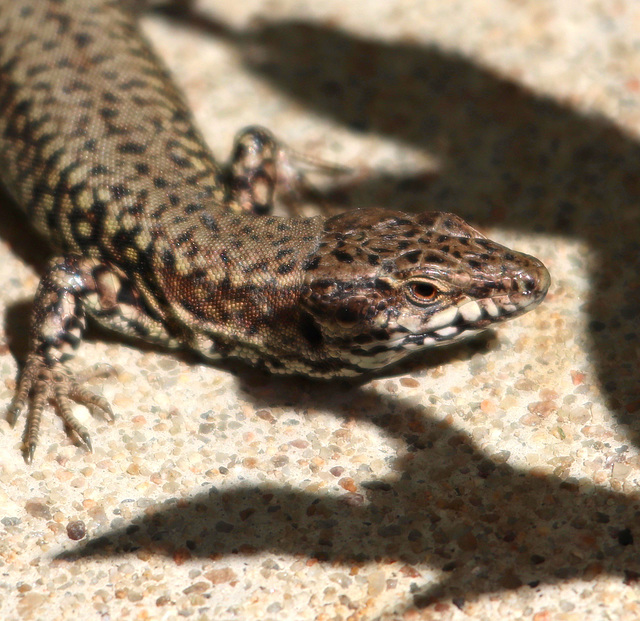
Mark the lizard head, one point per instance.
(383, 284)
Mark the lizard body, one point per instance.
(155, 239)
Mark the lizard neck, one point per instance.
(236, 284)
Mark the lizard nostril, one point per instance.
(532, 281)
(527, 282)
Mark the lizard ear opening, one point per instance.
(347, 316)
(310, 330)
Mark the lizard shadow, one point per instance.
(509, 157)
(481, 524)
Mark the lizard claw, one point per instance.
(86, 438)
(28, 453)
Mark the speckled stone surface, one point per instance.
(495, 480)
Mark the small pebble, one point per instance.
(76, 530)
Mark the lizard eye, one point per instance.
(422, 291)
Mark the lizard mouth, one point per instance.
(464, 321)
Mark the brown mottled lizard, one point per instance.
(154, 239)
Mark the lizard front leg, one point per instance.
(70, 286)
(253, 171)
(260, 166)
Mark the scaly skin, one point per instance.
(154, 239)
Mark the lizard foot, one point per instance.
(40, 383)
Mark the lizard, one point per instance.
(153, 238)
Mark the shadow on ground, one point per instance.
(486, 526)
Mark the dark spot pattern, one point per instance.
(343, 257)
